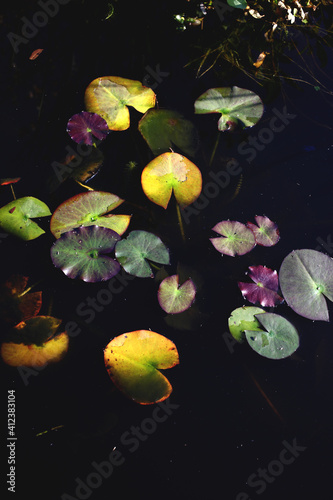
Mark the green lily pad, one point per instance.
(236, 105)
(171, 172)
(15, 218)
(163, 129)
(280, 339)
(133, 361)
(306, 278)
(237, 4)
(132, 253)
(109, 96)
(236, 238)
(243, 318)
(173, 298)
(80, 253)
(86, 209)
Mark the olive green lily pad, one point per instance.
(15, 217)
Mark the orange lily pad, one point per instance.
(109, 96)
(133, 361)
(171, 172)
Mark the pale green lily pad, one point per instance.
(237, 4)
(173, 298)
(15, 217)
(236, 106)
(235, 239)
(243, 318)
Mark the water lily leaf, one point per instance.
(35, 343)
(173, 298)
(84, 126)
(243, 318)
(15, 218)
(264, 289)
(81, 253)
(163, 129)
(236, 238)
(9, 180)
(109, 97)
(140, 246)
(16, 304)
(88, 167)
(306, 278)
(280, 339)
(237, 4)
(133, 361)
(236, 105)
(171, 172)
(266, 232)
(86, 209)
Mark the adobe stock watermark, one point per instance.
(30, 28)
(264, 477)
(130, 441)
(87, 310)
(325, 245)
(154, 77)
(248, 149)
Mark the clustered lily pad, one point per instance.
(244, 318)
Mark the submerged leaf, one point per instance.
(15, 217)
(236, 238)
(174, 298)
(264, 289)
(15, 303)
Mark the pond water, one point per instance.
(237, 425)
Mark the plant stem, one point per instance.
(180, 222)
(84, 186)
(215, 148)
(11, 187)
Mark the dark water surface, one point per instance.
(237, 426)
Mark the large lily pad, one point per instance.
(133, 361)
(171, 172)
(280, 339)
(15, 217)
(236, 106)
(86, 209)
(306, 278)
(173, 298)
(81, 253)
(140, 246)
(109, 96)
(163, 129)
(236, 238)
(243, 318)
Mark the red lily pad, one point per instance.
(9, 180)
(84, 126)
(264, 289)
(266, 232)
(236, 238)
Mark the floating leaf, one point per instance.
(9, 180)
(133, 361)
(171, 172)
(280, 339)
(306, 278)
(86, 209)
(264, 289)
(140, 246)
(80, 253)
(174, 298)
(237, 4)
(15, 303)
(243, 318)
(35, 343)
(236, 105)
(15, 218)
(266, 232)
(163, 129)
(83, 126)
(236, 238)
(109, 97)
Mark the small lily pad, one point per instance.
(237, 4)
(236, 238)
(243, 318)
(86, 209)
(266, 232)
(306, 278)
(236, 106)
(84, 126)
(134, 251)
(133, 361)
(173, 298)
(81, 253)
(280, 339)
(171, 172)
(264, 289)
(15, 218)
(109, 96)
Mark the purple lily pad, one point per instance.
(83, 126)
(80, 253)
(264, 289)
(266, 232)
(236, 238)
